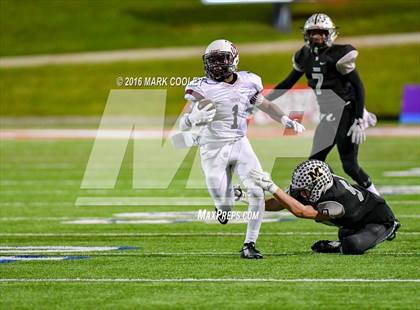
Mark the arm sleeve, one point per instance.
(357, 84)
(346, 66)
(285, 85)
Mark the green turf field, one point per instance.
(74, 26)
(40, 182)
(83, 89)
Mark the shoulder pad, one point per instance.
(333, 209)
(346, 55)
(345, 48)
(254, 79)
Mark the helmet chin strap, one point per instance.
(317, 48)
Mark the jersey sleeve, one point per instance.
(297, 61)
(256, 82)
(347, 61)
(194, 91)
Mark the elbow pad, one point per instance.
(332, 209)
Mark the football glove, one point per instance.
(369, 119)
(202, 116)
(288, 123)
(263, 180)
(357, 132)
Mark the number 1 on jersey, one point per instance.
(235, 110)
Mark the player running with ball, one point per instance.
(219, 105)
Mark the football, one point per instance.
(205, 102)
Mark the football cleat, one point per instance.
(393, 233)
(222, 216)
(250, 252)
(326, 246)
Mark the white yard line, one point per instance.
(147, 216)
(205, 201)
(171, 53)
(32, 258)
(56, 249)
(205, 280)
(143, 201)
(35, 218)
(235, 254)
(59, 134)
(404, 202)
(180, 234)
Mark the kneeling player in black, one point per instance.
(331, 69)
(364, 219)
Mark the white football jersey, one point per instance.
(233, 105)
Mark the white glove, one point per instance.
(263, 180)
(369, 119)
(288, 123)
(357, 132)
(202, 116)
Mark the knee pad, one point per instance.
(352, 246)
(255, 192)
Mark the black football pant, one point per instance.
(358, 240)
(347, 150)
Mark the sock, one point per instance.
(256, 204)
(373, 189)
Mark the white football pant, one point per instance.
(218, 163)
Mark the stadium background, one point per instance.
(40, 178)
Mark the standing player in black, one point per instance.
(364, 219)
(331, 68)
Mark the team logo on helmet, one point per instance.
(315, 174)
(312, 176)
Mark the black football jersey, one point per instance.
(327, 70)
(361, 206)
